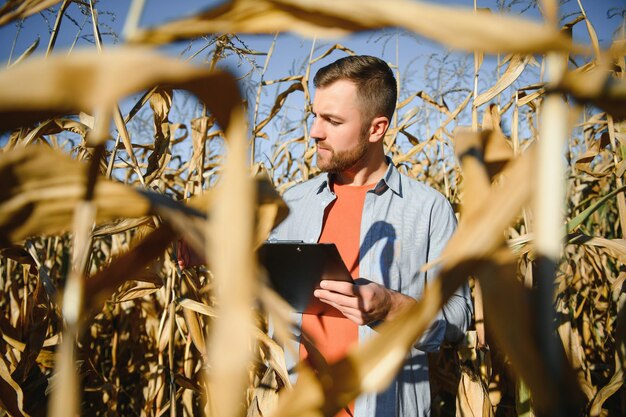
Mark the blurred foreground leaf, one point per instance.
(41, 187)
(597, 85)
(455, 27)
(94, 82)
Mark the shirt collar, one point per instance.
(390, 180)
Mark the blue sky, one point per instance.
(415, 58)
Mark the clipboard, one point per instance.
(295, 270)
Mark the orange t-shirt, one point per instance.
(333, 336)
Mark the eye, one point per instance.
(334, 122)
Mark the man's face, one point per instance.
(338, 129)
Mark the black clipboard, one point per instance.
(295, 270)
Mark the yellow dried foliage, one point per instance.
(153, 339)
(455, 27)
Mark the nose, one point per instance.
(317, 132)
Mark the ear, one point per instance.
(378, 127)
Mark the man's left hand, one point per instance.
(363, 303)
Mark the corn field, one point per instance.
(97, 318)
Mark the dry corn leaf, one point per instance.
(616, 135)
(28, 52)
(282, 315)
(132, 290)
(99, 288)
(196, 330)
(278, 104)
(550, 10)
(469, 149)
(614, 384)
(187, 383)
(283, 79)
(161, 103)
(41, 187)
(87, 81)
(497, 151)
(615, 247)
(218, 90)
(65, 397)
(305, 400)
(35, 329)
(513, 71)
(428, 99)
(458, 28)
(122, 130)
(197, 307)
(230, 238)
(275, 358)
(472, 399)
(573, 348)
(271, 209)
(199, 129)
(508, 312)
(528, 98)
(122, 225)
(408, 156)
(100, 136)
(483, 227)
(335, 47)
(592, 32)
(57, 26)
(19, 255)
(130, 265)
(12, 398)
(583, 162)
(597, 86)
(265, 396)
(472, 395)
(20, 9)
(418, 147)
(511, 325)
(54, 126)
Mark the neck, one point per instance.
(368, 171)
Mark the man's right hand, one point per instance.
(363, 303)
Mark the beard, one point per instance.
(339, 161)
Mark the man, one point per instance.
(385, 225)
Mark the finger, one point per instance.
(355, 318)
(350, 313)
(342, 287)
(337, 298)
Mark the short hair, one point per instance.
(376, 84)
